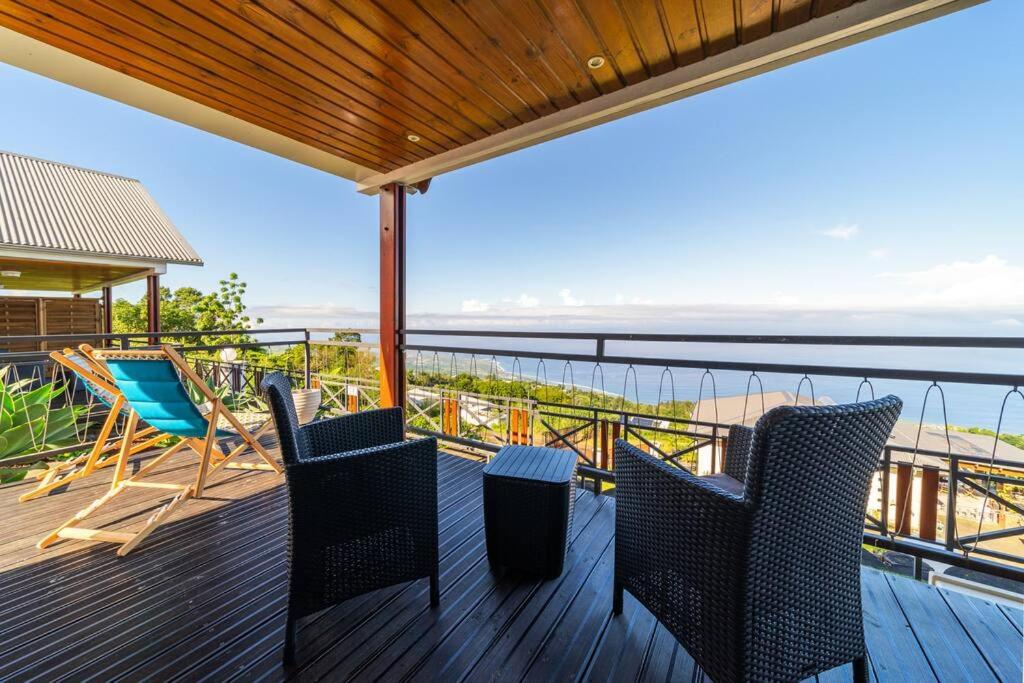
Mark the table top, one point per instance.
(534, 463)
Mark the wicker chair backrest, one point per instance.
(808, 482)
(278, 391)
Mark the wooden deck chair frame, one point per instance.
(105, 450)
(211, 458)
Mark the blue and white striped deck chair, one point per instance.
(151, 383)
(104, 451)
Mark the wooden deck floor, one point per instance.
(204, 598)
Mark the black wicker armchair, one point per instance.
(363, 505)
(759, 579)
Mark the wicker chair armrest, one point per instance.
(378, 484)
(681, 548)
(737, 453)
(354, 432)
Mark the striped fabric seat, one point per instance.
(101, 394)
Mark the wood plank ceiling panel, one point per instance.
(388, 83)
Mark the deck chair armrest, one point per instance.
(354, 432)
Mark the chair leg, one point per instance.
(860, 670)
(617, 598)
(435, 590)
(289, 642)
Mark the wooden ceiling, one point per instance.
(357, 78)
(63, 276)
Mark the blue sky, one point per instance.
(874, 189)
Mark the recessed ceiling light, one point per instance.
(595, 62)
(412, 137)
(10, 273)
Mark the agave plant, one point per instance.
(28, 423)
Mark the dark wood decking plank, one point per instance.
(383, 628)
(459, 535)
(894, 649)
(433, 646)
(101, 568)
(113, 618)
(667, 660)
(88, 566)
(520, 640)
(952, 654)
(571, 645)
(1016, 617)
(462, 648)
(240, 652)
(998, 641)
(624, 646)
(204, 598)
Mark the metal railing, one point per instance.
(943, 505)
(951, 509)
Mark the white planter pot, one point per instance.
(307, 401)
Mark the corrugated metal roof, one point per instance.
(48, 205)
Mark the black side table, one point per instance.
(528, 500)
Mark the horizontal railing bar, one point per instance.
(789, 339)
(141, 335)
(629, 413)
(343, 330)
(940, 554)
(441, 436)
(953, 377)
(331, 342)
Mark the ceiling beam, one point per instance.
(859, 22)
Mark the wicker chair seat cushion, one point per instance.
(726, 483)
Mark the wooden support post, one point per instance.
(929, 505)
(392, 295)
(952, 480)
(108, 314)
(153, 306)
(904, 495)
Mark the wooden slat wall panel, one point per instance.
(29, 316)
(356, 78)
(70, 316)
(18, 316)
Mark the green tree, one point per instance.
(187, 309)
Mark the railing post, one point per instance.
(904, 494)
(153, 307)
(108, 314)
(714, 449)
(884, 483)
(929, 504)
(306, 371)
(954, 476)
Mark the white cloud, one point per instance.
(989, 283)
(619, 299)
(641, 301)
(527, 301)
(842, 232)
(568, 299)
(1007, 322)
(879, 254)
(474, 306)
